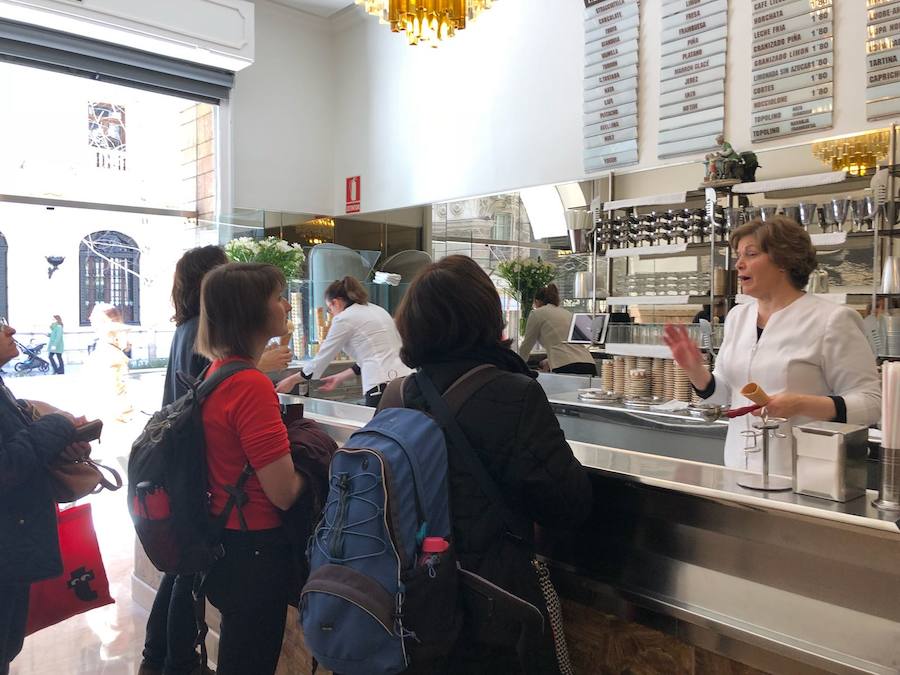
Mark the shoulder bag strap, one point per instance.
(468, 384)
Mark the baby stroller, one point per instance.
(32, 361)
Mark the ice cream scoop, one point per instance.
(286, 338)
(755, 393)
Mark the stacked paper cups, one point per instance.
(890, 437)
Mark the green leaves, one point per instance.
(271, 250)
(525, 275)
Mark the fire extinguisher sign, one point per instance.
(353, 194)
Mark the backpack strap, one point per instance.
(205, 385)
(440, 407)
(393, 395)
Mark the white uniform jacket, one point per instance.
(367, 334)
(812, 346)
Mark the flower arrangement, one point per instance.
(525, 276)
(271, 250)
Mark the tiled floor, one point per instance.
(108, 640)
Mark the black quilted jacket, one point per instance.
(29, 546)
(512, 427)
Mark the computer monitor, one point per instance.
(587, 328)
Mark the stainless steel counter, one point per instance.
(695, 478)
(781, 582)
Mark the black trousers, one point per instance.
(13, 615)
(577, 369)
(59, 367)
(249, 586)
(172, 628)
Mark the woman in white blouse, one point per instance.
(366, 333)
(810, 355)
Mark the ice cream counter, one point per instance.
(681, 570)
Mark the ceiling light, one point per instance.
(425, 20)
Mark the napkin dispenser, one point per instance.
(830, 460)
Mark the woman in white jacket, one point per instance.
(366, 333)
(810, 355)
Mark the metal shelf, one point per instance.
(801, 186)
(659, 299)
(660, 250)
(629, 349)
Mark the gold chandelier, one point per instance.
(854, 154)
(425, 20)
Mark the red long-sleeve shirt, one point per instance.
(242, 423)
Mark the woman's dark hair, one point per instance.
(548, 295)
(349, 290)
(451, 308)
(785, 241)
(234, 308)
(58, 319)
(189, 272)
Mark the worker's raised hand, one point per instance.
(684, 351)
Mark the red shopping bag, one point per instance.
(83, 584)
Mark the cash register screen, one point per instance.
(586, 326)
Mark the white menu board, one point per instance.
(883, 59)
(793, 68)
(692, 75)
(610, 83)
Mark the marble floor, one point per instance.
(107, 640)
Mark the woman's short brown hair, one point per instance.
(349, 290)
(189, 272)
(451, 308)
(548, 295)
(234, 308)
(786, 243)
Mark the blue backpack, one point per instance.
(373, 602)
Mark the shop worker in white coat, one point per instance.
(366, 333)
(809, 354)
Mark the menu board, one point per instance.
(883, 59)
(610, 83)
(692, 75)
(793, 67)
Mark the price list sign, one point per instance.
(883, 59)
(610, 84)
(793, 67)
(692, 75)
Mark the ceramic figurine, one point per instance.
(726, 167)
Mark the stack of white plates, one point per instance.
(890, 334)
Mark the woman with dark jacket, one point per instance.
(31, 436)
(450, 321)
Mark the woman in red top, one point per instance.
(241, 309)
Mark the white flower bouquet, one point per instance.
(274, 251)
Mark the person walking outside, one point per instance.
(55, 346)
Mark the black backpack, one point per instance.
(168, 493)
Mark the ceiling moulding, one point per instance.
(314, 20)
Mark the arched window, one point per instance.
(109, 265)
(4, 297)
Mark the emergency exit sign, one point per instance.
(353, 194)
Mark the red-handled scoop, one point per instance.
(739, 412)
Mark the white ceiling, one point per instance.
(324, 8)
